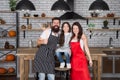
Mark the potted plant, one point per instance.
(105, 23)
(12, 4)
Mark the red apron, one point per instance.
(79, 66)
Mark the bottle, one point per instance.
(30, 43)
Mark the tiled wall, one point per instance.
(99, 38)
(81, 7)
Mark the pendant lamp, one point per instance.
(60, 5)
(99, 5)
(25, 5)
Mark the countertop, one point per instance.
(93, 50)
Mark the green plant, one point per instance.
(91, 25)
(105, 23)
(12, 4)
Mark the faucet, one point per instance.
(110, 41)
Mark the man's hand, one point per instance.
(42, 41)
(45, 41)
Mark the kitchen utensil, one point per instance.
(35, 15)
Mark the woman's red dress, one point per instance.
(79, 66)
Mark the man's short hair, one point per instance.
(56, 18)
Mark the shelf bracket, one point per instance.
(114, 21)
(117, 34)
(87, 21)
(24, 33)
(90, 34)
(24, 30)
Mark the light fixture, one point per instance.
(60, 5)
(25, 5)
(99, 5)
(71, 15)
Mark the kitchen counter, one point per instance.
(102, 50)
(93, 50)
(26, 54)
(105, 48)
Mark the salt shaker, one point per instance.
(30, 43)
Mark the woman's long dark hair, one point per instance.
(62, 38)
(79, 33)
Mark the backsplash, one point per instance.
(98, 39)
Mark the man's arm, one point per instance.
(42, 41)
(43, 38)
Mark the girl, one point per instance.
(64, 45)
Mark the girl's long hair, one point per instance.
(79, 33)
(62, 37)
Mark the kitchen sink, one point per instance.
(112, 52)
(110, 47)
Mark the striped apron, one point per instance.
(44, 59)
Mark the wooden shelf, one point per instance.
(8, 74)
(7, 37)
(28, 22)
(37, 17)
(3, 61)
(30, 29)
(14, 15)
(93, 18)
(86, 17)
(7, 11)
(3, 49)
(104, 29)
(8, 24)
(103, 17)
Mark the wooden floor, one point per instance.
(57, 78)
(101, 79)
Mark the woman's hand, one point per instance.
(90, 63)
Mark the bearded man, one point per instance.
(44, 59)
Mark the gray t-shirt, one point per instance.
(65, 47)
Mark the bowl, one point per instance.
(35, 15)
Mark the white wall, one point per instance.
(80, 7)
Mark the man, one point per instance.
(44, 58)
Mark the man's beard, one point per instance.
(55, 29)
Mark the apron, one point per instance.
(44, 59)
(79, 66)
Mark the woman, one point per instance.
(64, 45)
(78, 43)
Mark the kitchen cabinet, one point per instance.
(8, 22)
(28, 23)
(117, 64)
(111, 63)
(107, 63)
